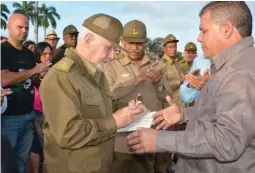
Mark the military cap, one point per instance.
(169, 38)
(51, 34)
(190, 46)
(70, 29)
(135, 31)
(106, 26)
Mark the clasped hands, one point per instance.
(196, 80)
(152, 73)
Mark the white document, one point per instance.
(144, 121)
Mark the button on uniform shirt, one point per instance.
(220, 134)
(79, 127)
(187, 94)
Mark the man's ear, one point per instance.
(227, 30)
(88, 39)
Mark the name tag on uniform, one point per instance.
(125, 75)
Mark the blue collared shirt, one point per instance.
(188, 95)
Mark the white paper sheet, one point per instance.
(144, 121)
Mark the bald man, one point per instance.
(18, 66)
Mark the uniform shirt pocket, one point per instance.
(92, 100)
(93, 106)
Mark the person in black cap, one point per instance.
(70, 34)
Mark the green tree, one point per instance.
(179, 56)
(4, 18)
(155, 46)
(26, 8)
(47, 17)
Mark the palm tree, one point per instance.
(47, 17)
(4, 18)
(26, 8)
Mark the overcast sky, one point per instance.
(161, 18)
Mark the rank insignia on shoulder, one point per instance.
(64, 65)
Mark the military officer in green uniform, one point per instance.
(77, 103)
(175, 78)
(173, 71)
(70, 34)
(129, 76)
(190, 53)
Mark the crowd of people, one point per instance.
(61, 107)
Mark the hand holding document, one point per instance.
(144, 121)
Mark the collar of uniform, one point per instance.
(125, 60)
(83, 66)
(220, 59)
(90, 67)
(169, 59)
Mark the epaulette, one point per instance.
(119, 56)
(64, 64)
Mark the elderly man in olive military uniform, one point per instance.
(129, 76)
(70, 34)
(77, 103)
(190, 53)
(173, 71)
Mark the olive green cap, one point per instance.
(70, 29)
(135, 32)
(106, 26)
(169, 38)
(190, 46)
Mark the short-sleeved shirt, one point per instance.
(21, 100)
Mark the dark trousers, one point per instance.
(9, 159)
